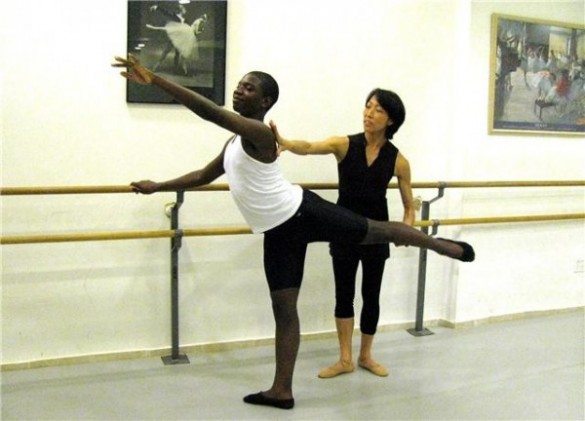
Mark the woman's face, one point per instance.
(375, 117)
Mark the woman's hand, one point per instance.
(283, 144)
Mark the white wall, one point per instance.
(523, 267)
(65, 122)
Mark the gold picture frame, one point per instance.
(537, 77)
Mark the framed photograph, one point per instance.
(537, 77)
(181, 40)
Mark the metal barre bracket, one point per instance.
(177, 240)
(442, 186)
(435, 226)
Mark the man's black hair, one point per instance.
(268, 84)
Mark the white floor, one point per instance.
(526, 369)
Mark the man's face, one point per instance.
(248, 98)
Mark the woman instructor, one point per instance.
(366, 163)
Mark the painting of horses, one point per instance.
(184, 41)
(537, 76)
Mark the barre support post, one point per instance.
(176, 242)
(418, 329)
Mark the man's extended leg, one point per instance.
(405, 235)
(333, 223)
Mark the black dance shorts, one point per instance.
(316, 220)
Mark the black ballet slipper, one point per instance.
(260, 399)
(468, 252)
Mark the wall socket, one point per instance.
(579, 266)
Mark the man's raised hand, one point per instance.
(136, 72)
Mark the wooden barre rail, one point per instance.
(47, 190)
(199, 232)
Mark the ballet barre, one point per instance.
(176, 235)
(49, 190)
(239, 230)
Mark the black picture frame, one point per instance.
(184, 41)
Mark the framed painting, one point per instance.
(537, 77)
(184, 41)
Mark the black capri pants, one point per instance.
(345, 270)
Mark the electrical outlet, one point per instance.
(579, 266)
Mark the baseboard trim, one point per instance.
(250, 343)
(508, 317)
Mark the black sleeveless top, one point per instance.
(362, 189)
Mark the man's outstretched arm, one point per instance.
(253, 130)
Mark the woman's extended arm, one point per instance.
(336, 145)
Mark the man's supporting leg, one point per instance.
(284, 307)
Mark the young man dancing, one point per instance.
(288, 216)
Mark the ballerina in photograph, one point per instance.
(182, 39)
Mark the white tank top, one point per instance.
(262, 194)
